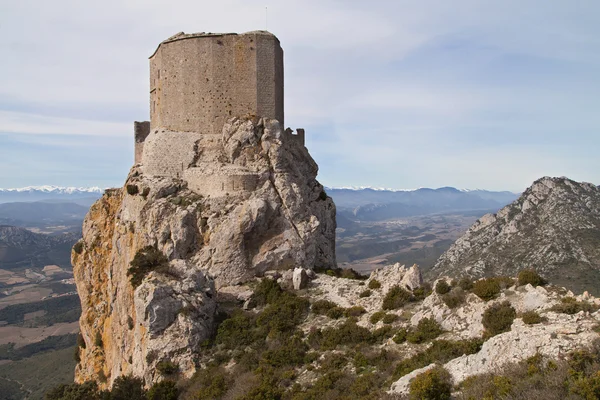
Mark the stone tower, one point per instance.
(198, 81)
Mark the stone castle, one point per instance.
(197, 83)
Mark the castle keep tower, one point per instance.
(199, 81)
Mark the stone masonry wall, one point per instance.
(199, 81)
(220, 184)
(168, 153)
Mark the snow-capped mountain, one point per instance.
(49, 193)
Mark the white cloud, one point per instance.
(25, 123)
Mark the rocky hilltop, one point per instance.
(553, 227)
(154, 253)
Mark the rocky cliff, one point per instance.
(186, 248)
(554, 227)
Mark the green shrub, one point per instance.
(80, 341)
(532, 318)
(395, 298)
(165, 390)
(132, 189)
(465, 283)
(237, 330)
(486, 289)
(78, 247)
(376, 317)
(146, 260)
(74, 391)
(167, 367)
(442, 287)
(389, 318)
(210, 383)
(435, 384)
(266, 292)
(286, 351)
(427, 329)
(128, 388)
(355, 311)
(440, 351)
(335, 313)
(569, 305)
(346, 334)
(365, 293)
(284, 314)
(98, 340)
(374, 284)
(400, 336)
(498, 318)
(530, 276)
(455, 298)
(320, 307)
(422, 292)
(383, 333)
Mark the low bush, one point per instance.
(346, 334)
(266, 292)
(435, 384)
(530, 276)
(146, 260)
(440, 351)
(128, 388)
(78, 247)
(98, 340)
(320, 307)
(498, 318)
(569, 305)
(400, 336)
(486, 289)
(377, 316)
(427, 329)
(422, 292)
(167, 367)
(335, 313)
(395, 298)
(532, 318)
(374, 284)
(209, 383)
(365, 293)
(465, 283)
(389, 318)
(132, 189)
(442, 287)
(355, 311)
(164, 390)
(455, 298)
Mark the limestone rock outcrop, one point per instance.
(554, 227)
(210, 239)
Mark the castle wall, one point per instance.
(199, 81)
(220, 184)
(167, 153)
(141, 130)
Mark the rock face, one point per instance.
(554, 227)
(211, 241)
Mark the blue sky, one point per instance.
(397, 94)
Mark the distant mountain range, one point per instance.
(82, 195)
(367, 204)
